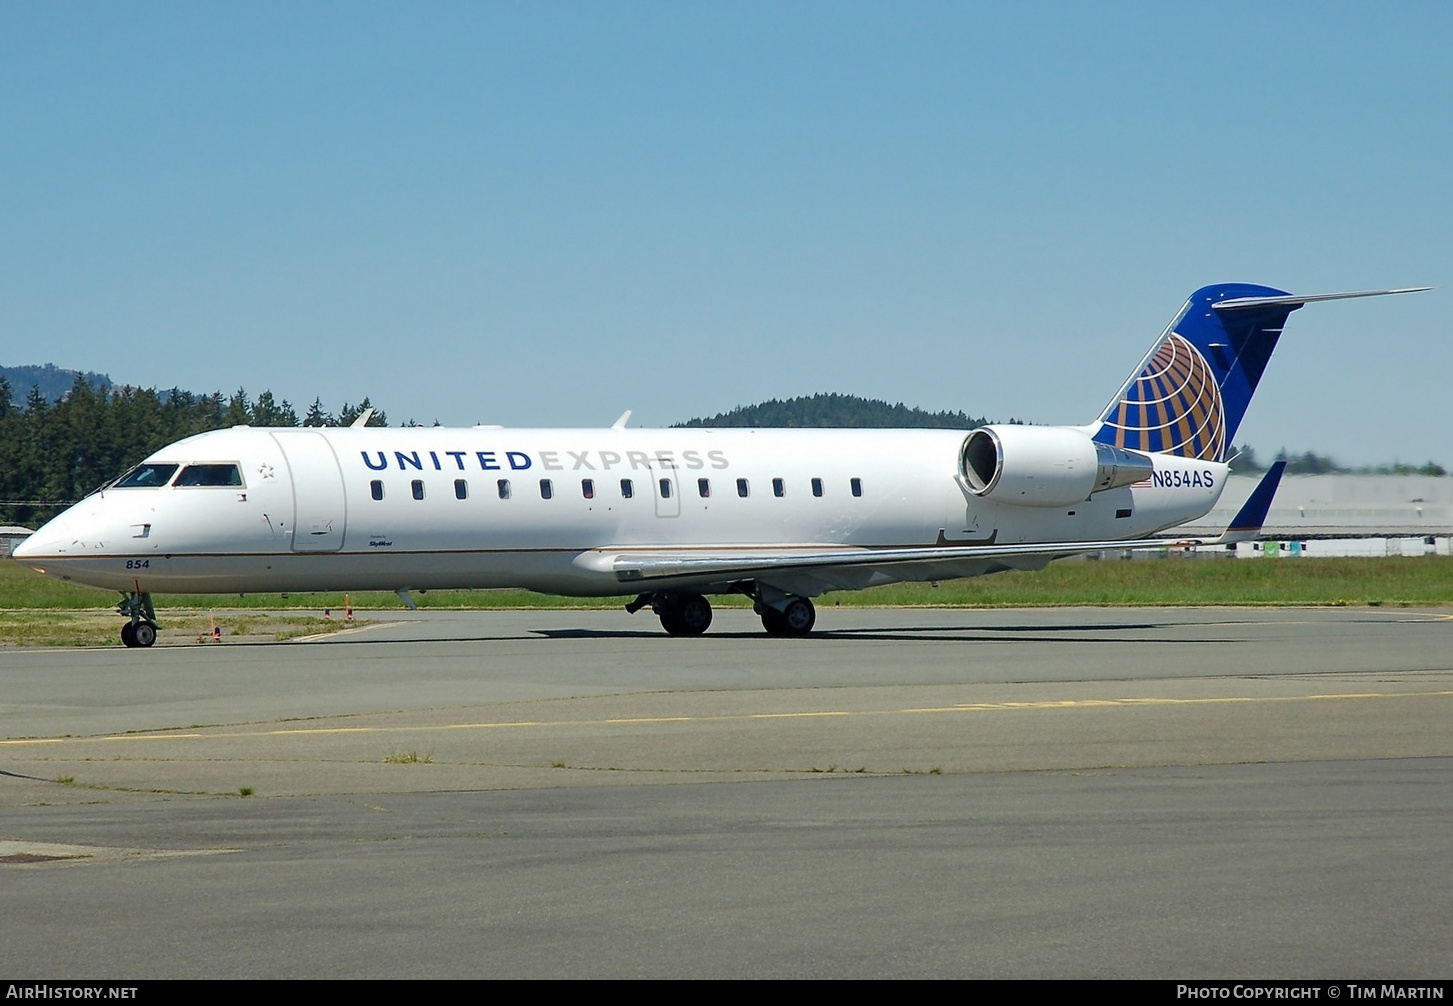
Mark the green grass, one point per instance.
(101, 626)
(1421, 580)
(408, 758)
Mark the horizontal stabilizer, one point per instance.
(1248, 521)
(1293, 301)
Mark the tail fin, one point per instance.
(1190, 392)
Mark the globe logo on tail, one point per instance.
(1172, 407)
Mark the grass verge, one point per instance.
(52, 627)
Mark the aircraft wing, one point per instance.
(720, 564)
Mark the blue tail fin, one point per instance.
(1188, 395)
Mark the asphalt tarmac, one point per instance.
(1168, 793)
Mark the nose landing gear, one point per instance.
(141, 629)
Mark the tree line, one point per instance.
(1245, 461)
(52, 454)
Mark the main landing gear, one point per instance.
(141, 629)
(796, 617)
(680, 614)
(686, 614)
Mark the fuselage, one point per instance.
(272, 510)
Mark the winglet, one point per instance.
(1248, 521)
(363, 418)
(620, 423)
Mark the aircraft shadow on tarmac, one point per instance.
(916, 634)
(913, 634)
(1070, 633)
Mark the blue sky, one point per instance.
(544, 214)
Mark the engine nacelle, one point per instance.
(1045, 465)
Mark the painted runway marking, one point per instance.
(319, 637)
(1127, 702)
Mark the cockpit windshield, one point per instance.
(145, 476)
(210, 475)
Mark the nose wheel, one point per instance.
(138, 633)
(141, 629)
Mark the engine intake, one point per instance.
(1045, 465)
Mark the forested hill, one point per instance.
(827, 411)
(850, 411)
(54, 382)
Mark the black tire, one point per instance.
(686, 615)
(695, 614)
(773, 622)
(796, 619)
(128, 634)
(800, 616)
(144, 634)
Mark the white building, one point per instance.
(10, 537)
(1346, 514)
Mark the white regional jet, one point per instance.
(670, 516)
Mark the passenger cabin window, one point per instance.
(779, 488)
(547, 489)
(665, 489)
(146, 477)
(587, 488)
(375, 489)
(628, 489)
(418, 486)
(742, 488)
(817, 487)
(857, 486)
(210, 475)
(461, 489)
(504, 489)
(703, 488)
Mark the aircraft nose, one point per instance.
(47, 541)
